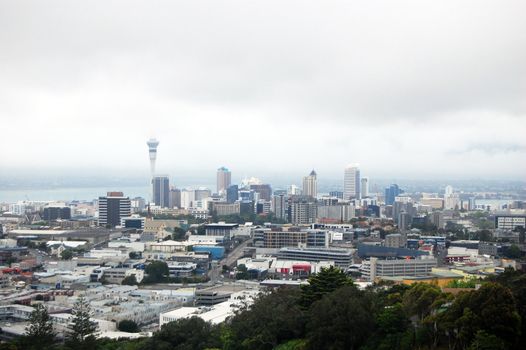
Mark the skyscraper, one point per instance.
(364, 187)
(175, 198)
(302, 210)
(351, 182)
(152, 151)
(310, 185)
(280, 205)
(223, 179)
(391, 193)
(264, 191)
(112, 208)
(161, 191)
(232, 194)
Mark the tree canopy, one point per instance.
(157, 271)
(40, 330)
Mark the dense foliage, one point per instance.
(332, 313)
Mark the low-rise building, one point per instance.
(373, 268)
(342, 258)
(116, 275)
(216, 313)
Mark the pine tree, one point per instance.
(39, 333)
(82, 329)
(324, 282)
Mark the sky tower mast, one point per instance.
(152, 150)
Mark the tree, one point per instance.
(82, 329)
(340, 320)
(242, 272)
(516, 282)
(157, 272)
(272, 319)
(128, 326)
(420, 300)
(178, 234)
(513, 252)
(39, 333)
(491, 309)
(130, 280)
(322, 283)
(134, 255)
(187, 334)
(485, 341)
(67, 254)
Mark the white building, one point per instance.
(351, 182)
(310, 185)
(214, 314)
(373, 268)
(364, 187)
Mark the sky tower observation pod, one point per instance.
(152, 151)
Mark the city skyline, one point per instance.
(394, 88)
(262, 175)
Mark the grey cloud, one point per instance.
(491, 148)
(373, 76)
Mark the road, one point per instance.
(229, 260)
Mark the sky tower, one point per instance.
(152, 150)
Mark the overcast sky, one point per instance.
(408, 89)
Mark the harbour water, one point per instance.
(68, 194)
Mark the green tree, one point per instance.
(393, 329)
(157, 272)
(242, 272)
(82, 329)
(188, 334)
(130, 280)
(39, 333)
(420, 300)
(178, 234)
(513, 252)
(67, 254)
(491, 309)
(486, 341)
(272, 319)
(322, 283)
(128, 326)
(342, 319)
(516, 282)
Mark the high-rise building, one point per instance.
(310, 185)
(451, 199)
(302, 210)
(232, 194)
(404, 220)
(187, 198)
(391, 193)
(175, 198)
(364, 188)
(264, 191)
(112, 208)
(294, 190)
(335, 213)
(280, 205)
(336, 194)
(161, 191)
(351, 182)
(437, 219)
(223, 179)
(53, 213)
(202, 193)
